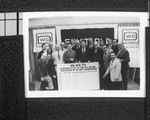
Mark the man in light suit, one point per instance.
(58, 55)
(115, 72)
(70, 55)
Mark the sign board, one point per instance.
(130, 35)
(78, 76)
(43, 36)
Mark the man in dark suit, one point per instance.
(123, 55)
(115, 46)
(83, 53)
(98, 57)
(70, 55)
(91, 49)
(51, 70)
(44, 74)
(44, 50)
(77, 46)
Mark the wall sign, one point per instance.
(130, 36)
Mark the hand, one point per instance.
(79, 61)
(71, 59)
(121, 60)
(88, 61)
(49, 78)
(104, 76)
(54, 76)
(42, 79)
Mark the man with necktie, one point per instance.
(98, 57)
(124, 57)
(83, 53)
(70, 55)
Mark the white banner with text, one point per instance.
(78, 76)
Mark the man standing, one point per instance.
(106, 56)
(123, 55)
(91, 45)
(115, 46)
(58, 55)
(77, 46)
(83, 54)
(70, 55)
(44, 50)
(44, 75)
(98, 57)
(51, 70)
(115, 73)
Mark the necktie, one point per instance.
(83, 50)
(95, 50)
(58, 55)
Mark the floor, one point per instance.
(133, 85)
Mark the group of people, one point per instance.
(112, 57)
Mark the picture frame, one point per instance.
(135, 93)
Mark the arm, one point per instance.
(107, 72)
(118, 69)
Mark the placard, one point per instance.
(78, 76)
(85, 20)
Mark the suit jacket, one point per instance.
(51, 68)
(98, 56)
(67, 56)
(40, 54)
(115, 49)
(83, 57)
(124, 55)
(75, 48)
(42, 68)
(115, 70)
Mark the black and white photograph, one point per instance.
(84, 54)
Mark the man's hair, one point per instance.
(43, 44)
(113, 52)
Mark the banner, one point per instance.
(78, 76)
(41, 36)
(85, 32)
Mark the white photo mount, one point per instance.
(102, 17)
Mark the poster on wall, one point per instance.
(94, 54)
(41, 36)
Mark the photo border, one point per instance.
(48, 94)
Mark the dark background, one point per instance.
(88, 33)
(14, 105)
